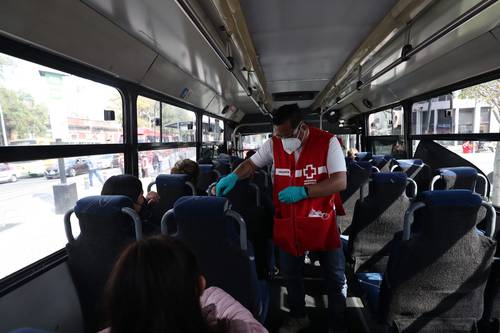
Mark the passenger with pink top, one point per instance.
(156, 287)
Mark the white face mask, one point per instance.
(292, 144)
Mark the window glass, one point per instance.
(155, 162)
(253, 141)
(387, 122)
(471, 110)
(213, 129)
(388, 146)
(41, 106)
(148, 120)
(348, 141)
(179, 125)
(483, 154)
(34, 199)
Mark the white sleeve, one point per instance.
(335, 159)
(263, 156)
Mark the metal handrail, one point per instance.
(67, 226)
(415, 186)
(409, 217)
(490, 231)
(434, 180)
(164, 222)
(137, 221)
(243, 228)
(486, 184)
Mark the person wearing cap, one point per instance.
(131, 186)
(308, 173)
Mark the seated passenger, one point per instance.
(156, 287)
(206, 157)
(131, 187)
(187, 167)
(351, 153)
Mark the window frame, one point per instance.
(129, 147)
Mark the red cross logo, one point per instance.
(310, 171)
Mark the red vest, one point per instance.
(308, 225)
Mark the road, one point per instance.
(29, 227)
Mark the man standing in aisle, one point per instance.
(308, 170)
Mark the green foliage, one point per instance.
(23, 117)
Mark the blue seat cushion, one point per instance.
(370, 284)
(102, 205)
(450, 198)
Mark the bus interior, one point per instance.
(411, 88)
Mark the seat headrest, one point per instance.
(365, 164)
(206, 168)
(381, 158)
(450, 198)
(388, 183)
(363, 156)
(176, 180)
(200, 208)
(102, 205)
(408, 163)
(459, 177)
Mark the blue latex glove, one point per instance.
(292, 194)
(226, 184)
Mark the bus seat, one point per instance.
(107, 225)
(247, 200)
(223, 168)
(415, 169)
(435, 278)
(357, 179)
(382, 162)
(170, 188)
(363, 156)
(376, 219)
(208, 175)
(207, 226)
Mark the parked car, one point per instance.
(102, 161)
(30, 169)
(73, 167)
(7, 173)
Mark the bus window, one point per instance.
(155, 162)
(470, 110)
(31, 234)
(253, 141)
(178, 124)
(40, 105)
(213, 129)
(385, 129)
(148, 119)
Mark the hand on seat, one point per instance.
(226, 184)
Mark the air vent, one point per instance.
(291, 96)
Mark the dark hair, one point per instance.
(288, 112)
(127, 185)
(154, 287)
(249, 154)
(187, 167)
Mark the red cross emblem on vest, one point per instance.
(310, 171)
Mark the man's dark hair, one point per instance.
(288, 112)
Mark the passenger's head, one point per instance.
(249, 154)
(156, 286)
(288, 122)
(351, 153)
(126, 185)
(186, 167)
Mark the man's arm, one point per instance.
(245, 169)
(336, 183)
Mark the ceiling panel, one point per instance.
(308, 41)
